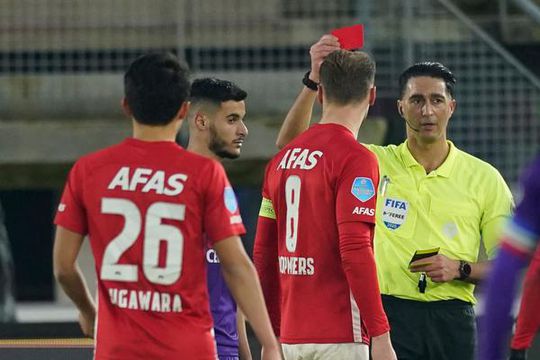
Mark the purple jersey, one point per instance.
(527, 214)
(520, 238)
(223, 308)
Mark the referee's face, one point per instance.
(426, 106)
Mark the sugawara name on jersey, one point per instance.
(145, 300)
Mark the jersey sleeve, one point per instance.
(71, 213)
(528, 321)
(355, 245)
(526, 214)
(221, 215)
(499, 293)
(356, 195)
(522, 233)
(355, 215)
(265, 257)
(497, 209)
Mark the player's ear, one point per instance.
(201, 121)
(372, 95)
(399, 108)
(183, 111)
(125, 107)
(453, 105)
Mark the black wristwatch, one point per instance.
(310, 84)
(464, 270)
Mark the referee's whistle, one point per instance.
(422, 283)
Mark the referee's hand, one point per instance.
(438, 267)
(318, 51)
(518, 354)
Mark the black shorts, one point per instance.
(436, 330)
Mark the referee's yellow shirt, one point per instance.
(453, 208)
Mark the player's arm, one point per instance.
(243, 343)
(67, 245)
(528, 321)
(356, 201)
(265, 257)
(358, 263)
(241, 278)
(500, 291)
(520, 237)
(299, 116)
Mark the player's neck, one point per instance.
(429, 155)
(155, 133)
(351, 116)
(201, 148)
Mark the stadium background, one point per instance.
(61, 66)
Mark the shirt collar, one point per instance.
(444, 170)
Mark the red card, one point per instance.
(350, 37)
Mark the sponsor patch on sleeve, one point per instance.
(230, 200)
(363, 189)
(267, 209)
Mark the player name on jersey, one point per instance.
(146, 180)
(298, 158)
(145, 300)
(295, 265)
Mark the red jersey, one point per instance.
(319, 197)
(145, 207)
(528, 320)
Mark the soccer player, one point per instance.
(519, 240)
(313, 246)
(145, 205)
(432, 196)
(217, 130)
(528, 320)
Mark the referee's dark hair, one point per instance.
(155, 86)
(430, 69)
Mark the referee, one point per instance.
(434, 199)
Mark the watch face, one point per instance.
(464, 270)
(467, 269)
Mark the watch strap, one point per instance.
(310, 84)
